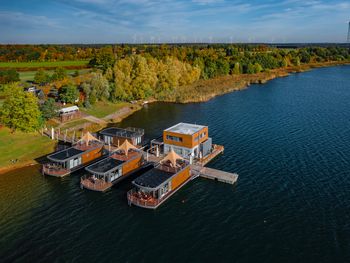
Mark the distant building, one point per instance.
(69, 113)
(37, 92)
(187, 140)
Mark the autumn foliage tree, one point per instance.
(20, 110)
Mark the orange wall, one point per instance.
(188, 141)
(180, 178)
(87, 157)
(132, 165)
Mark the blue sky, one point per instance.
(135, 21)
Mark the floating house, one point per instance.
(64, 162)
(187, 140)
(69, 113)
(107, 172)
(158, 184)
(116, 136)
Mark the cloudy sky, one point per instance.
(135, 21)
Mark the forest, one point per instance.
(137, 72)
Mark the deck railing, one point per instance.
(136, 198)
(98, 184)
(53, 169)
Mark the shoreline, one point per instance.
(208, 89)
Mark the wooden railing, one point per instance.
(52, 169)
(135, 198)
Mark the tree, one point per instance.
(20, 110)
(49, 109)
(8, 76)
(100, 84)
(103, 58)
(41, 77)
(236, 69)
(69, 94)
(59, 74)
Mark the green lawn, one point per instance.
(102, 109)
(44, 64)
(29, 75)
(22, 146)
(74, 123)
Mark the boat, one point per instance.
(118, 166)
(158, 184)
(62, 163)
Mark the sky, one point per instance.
(155, 21)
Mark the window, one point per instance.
(174, 138)
(202, 135)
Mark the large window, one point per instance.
(174, 138)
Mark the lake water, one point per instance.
(289, 142)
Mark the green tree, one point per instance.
(100, 84)
(236, 69)
(69, 94)
(20, 110)
(59, 74)
(103, 58)
(8, 76)
(49, 109)
(41, 77)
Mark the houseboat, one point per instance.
(116, 136)
(158, 184)
(64, 162)
(107, 172)
(188, 140)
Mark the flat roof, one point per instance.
(126, 133)
(153, 178)
(185, 128)
(65, 154)
(105, 165)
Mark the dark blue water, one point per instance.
(289, 142)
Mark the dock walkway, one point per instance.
(214, 174)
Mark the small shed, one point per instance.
(69, 113)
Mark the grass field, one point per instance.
(102, 109)
(75, 123)
(29, 75)
(22, 146)
(45, 64)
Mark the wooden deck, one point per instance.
(217, 149)
(97, 185)
(214, 174)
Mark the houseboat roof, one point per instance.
(120, 132)
(153, 178)
(104, 165)
(185, 128)
(65, 154)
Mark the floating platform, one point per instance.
(214, 174)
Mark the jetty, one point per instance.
(214, 174)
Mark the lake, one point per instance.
(289, 142)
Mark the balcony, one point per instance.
(55, 170)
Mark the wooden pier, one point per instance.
(214, 174)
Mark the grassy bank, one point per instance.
(22, 147)
(103, 108)
(204, 90)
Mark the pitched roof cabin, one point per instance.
(66, 161)
(107, 172)
(116, 136)
(158, 184)
(187, 140)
